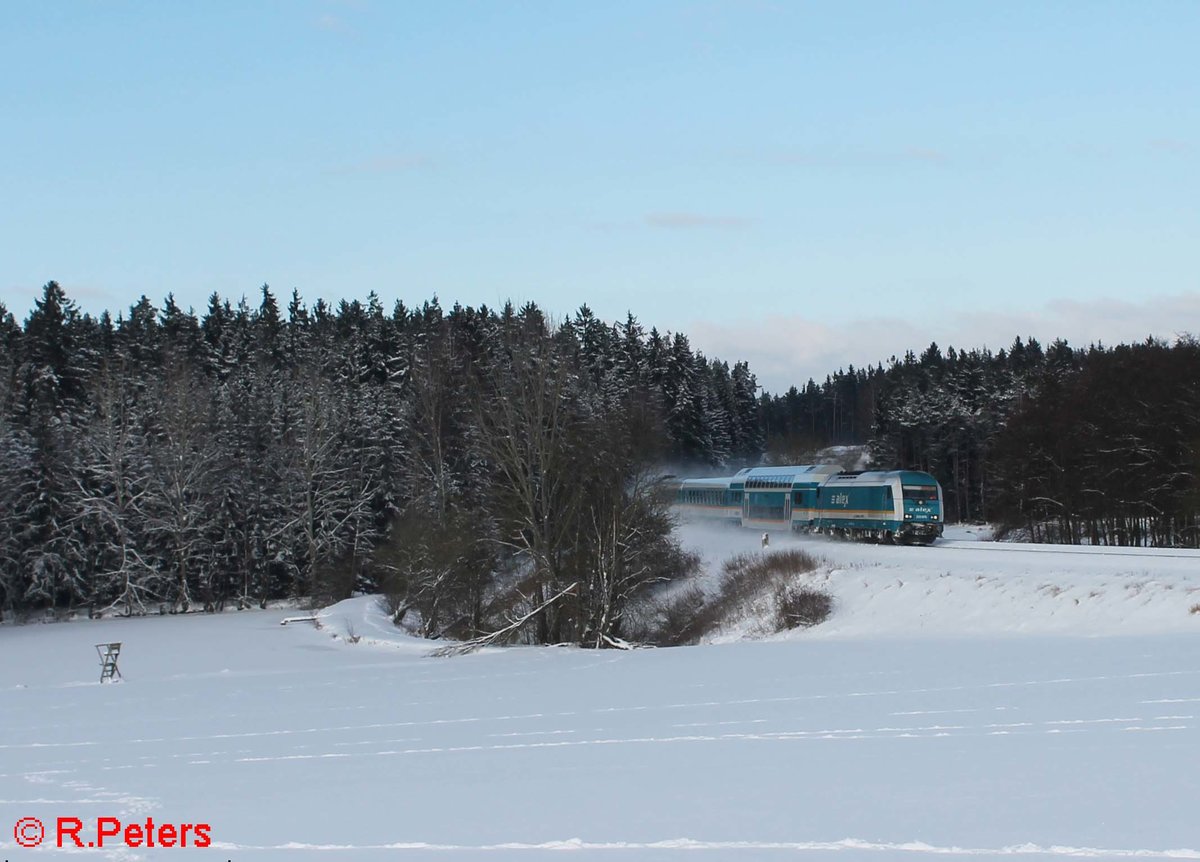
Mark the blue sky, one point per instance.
(805, 185)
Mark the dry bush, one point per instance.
(800, 607)
(683, 618)
(657, 609)
(790, 562)
(689, 615)
(436, 566)
(747, 575)
(1195, 609)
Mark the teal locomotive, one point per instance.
(902, 506)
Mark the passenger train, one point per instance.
(903, 506)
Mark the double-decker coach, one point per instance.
(719, 499)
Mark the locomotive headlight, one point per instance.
(934, 517)
(908, 517)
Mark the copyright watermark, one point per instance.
(100, 832)
(29, 832)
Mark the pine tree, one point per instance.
(50, 389)
(113, 480)
(684, 400)
(746, 431)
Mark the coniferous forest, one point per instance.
(166, 460)
(1097, 445)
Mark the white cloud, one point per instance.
(789, 349)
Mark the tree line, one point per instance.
(472, 463)
(1057, 444)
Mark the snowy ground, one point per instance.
(964, 587)
(944, 716)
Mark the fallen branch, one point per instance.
(619, 643)
(465, 647)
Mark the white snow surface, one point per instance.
(961, 586)
(959, 704)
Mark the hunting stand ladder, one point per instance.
(108, 661)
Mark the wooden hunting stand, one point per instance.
(108, 660)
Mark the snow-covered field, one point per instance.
(966, 700)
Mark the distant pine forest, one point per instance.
(166, 460)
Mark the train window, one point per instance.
(920, 493)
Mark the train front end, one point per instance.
(922, 513)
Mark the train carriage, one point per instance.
(719, 499)
(768, 498)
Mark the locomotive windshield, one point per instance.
(920, 493)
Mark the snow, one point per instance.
(959, 704)
(962, 587)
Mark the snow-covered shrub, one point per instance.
(751, 585)
(798, 606)
(747, 574)
(672, 620)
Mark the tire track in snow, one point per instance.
(840, 734)
(685, 705)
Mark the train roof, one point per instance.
(789, 470)
(789, 476)
(912, 477)
(801, 474)
(713, 482)
(865, 476)
(775, 477)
